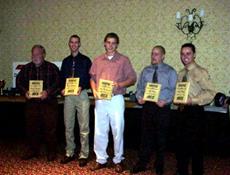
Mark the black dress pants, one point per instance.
(154, 130)
(190, 124)
(41, 123)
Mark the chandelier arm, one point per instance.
(184, 27)
(197, 26)
(193, 10)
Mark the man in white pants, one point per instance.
(117, 68)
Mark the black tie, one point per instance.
(73, 68)
(154, 80)
(185, 79)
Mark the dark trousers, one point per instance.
(41, 123)
(190, 124)
(154, 130)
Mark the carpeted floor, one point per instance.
(11, 164)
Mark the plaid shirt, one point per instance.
(48, 72)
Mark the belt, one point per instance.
(184, 107)
(181, 108)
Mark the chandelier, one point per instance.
(191, 23)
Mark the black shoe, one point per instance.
(30, 155)
(67, 159)
(176, 173)
(119, 167)
(82, 162)
(98, 166)
(138, 167)
(51, 157)
(159, 170)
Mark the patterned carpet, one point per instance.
(10, 163)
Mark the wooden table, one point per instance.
(21, 99)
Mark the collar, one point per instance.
(78, 54)
(115, 56)
(191, 66)
(157, 65)
(44, 62)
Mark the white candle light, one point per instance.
(190, 17)
(177, 15)
(201, 12)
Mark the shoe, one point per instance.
(119, 167)
(28, 156)
(67, 159)
(184, 173)
(82, 162)
(177, 173)
(98, 166)
(51, 157)
(159, 170)
(138, 167)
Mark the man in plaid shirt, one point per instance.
(40, 113)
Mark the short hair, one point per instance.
(111, 35)
(161, 48)
(40, 47)
(75, 36)
(190, 45)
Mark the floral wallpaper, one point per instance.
(140, 24)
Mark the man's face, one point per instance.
(110, 45)
(74, 44)
(187, 56)
(37, 56)
(157, 56)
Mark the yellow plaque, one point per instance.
(35, 88)
(152, 92)
(71, 86)
(181, 93)
(105, 89)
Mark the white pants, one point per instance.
(109, 113)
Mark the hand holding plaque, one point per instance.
(105, 89)
(181, 93)
(35, 88)
(71, 86)
(152, 92)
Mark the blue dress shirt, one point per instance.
(166, 76)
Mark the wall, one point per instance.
(141, 24)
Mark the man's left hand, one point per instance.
(189, 101)
(79, 91)
(116, 84)
(161, 103)
(44, 95)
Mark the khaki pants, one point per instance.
(80, 104)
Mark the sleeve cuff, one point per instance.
(195, 101)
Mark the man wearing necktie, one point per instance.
(76, 65)
(191, 121)
(155, 115)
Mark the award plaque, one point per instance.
(152, 92)
(181, 93)
(105, 89)
(35, 88)
(71, 86)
